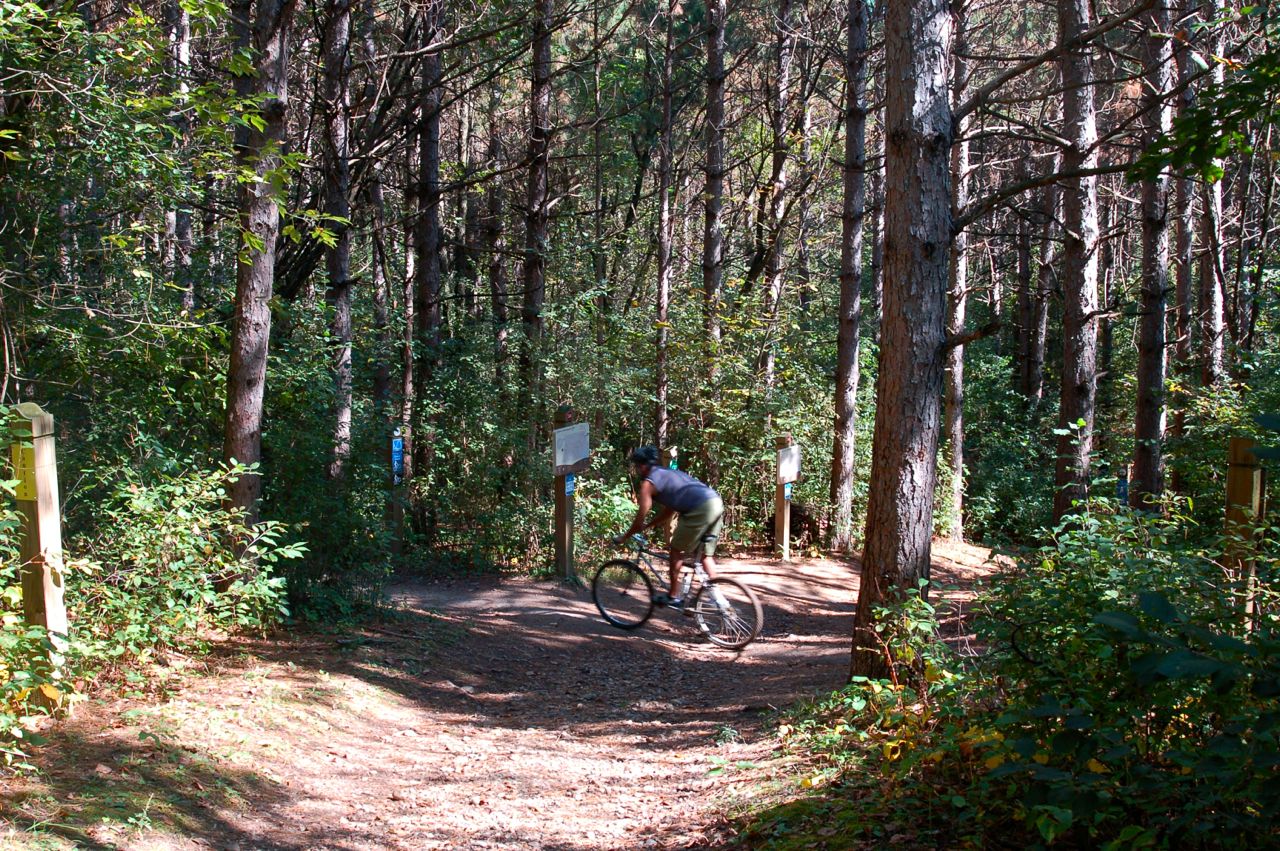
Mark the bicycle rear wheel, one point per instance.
(728, 613)
(623, 593)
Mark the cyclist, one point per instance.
(701, 514)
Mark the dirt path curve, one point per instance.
(495, 714)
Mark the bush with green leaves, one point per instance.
(1125, 701)
(171, 561)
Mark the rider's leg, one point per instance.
(677, 561)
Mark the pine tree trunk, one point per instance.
(917, 242)
(337, 180)
(772, 220)
(1079, 263)
(1147, 484)
(261, 30)
(957, 305)
(665, 235)
(850, 316)
(537, 215)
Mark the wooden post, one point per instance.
(35, 468)
(670, 458)
(1244, 506)
(782, 506)
(395, 505)
(571, 454)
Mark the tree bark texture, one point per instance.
(913, 329)
(1079, 262)
(850, 311)
(662, 423)
(713, 194)
(537, 214)
(337, 182)
(772, 245)
(1147, 482)
(957, 304)
(260, 29)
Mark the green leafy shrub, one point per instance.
(1125, 701)
(149, 579)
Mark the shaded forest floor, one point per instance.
(489, 713)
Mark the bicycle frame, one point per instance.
(693, 563)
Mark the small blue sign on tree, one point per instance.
(397, 459)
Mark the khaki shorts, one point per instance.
(701, 524)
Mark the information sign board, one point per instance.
(788, 464)
(570, 484)
(572, 451)
(397, 459)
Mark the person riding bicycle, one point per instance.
(701, 514)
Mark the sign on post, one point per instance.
(570, 454)
(35, 467)
(788, 472)
(397, 458)
(572, 448)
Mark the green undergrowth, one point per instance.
(1125, 700)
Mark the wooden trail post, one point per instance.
(670, 458)
(395, 504)
(788, 472)
(571, 455)
(1244, 507)
(35, 467)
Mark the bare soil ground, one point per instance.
(493, 713)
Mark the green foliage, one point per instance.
(1123, 704)
(1217, 125)
(170, 563)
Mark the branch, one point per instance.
(955, 340)
(981, 95)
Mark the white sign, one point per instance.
(788, 464)
(573, 445)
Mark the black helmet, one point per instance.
(645, 455)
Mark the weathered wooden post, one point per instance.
(788, 472)
(572, 455)
(1244, 506)
(670, 458)
(395, 505)
(35, 468)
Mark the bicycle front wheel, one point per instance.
(623, 593)
(728, 613)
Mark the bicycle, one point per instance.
(725, 610)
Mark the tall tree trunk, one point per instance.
(427, 245)
(179, 26)
(1184, 257)
(713, 231)
(337, 181)
(1080, 262)
(1212, 286)
(260, 30)
(876, 238)
(850, 315)
(1147, 485)
(713, 200)
(537, 214)
(958, 298)
(777, 190)
(913, 330)
(494, 241)
(665, 235)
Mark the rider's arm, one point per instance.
(644, 502)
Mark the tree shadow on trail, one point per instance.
(103, 791)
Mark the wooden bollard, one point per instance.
(1244, 506)
(670, 458)
(35, 467)
(571, 455)
(788, 472)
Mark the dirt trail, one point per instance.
(494, 714)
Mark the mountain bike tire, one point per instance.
(728, 613)
(623, 593)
